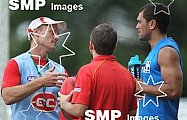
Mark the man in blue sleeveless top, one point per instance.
(31, 80)
(162, 77)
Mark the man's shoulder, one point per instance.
(22, 56)
(168, 42)
(91, 65)
(97, 64)
(168, 53)
(88, 67)
(11, 63)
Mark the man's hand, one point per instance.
(75, 110)
(63, 99)
(50, 79)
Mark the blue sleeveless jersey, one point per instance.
(151, 107)
(34, 107)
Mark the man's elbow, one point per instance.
(79, 113)
(7, 100)
(79, 110)
(174, 95)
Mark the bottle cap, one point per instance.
(134, 61)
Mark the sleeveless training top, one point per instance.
(34, 107)
(151, 107)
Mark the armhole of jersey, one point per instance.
(180, 57)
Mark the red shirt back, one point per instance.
(104, 84)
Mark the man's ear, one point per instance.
(152, 24)
(36, 33)
(35, 30)
(91, 46)
(115, 47)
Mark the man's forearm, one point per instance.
(15, 94)
(150, 89)
(163, 89)
(132, 113)
(76, 110)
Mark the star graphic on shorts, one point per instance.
(63, 45)
(166, 12)
(28, 111)
(152, 99)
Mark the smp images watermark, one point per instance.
(26, 5)
(142, 117)
(67, 7)
(113, 115)
(106, 115)
(37, 4)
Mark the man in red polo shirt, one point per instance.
(103, 84)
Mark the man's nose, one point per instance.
(56, 38)
(137, 26)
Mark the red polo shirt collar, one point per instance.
(104, 57)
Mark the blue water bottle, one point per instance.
(134, 66)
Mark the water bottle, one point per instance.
(134, 66)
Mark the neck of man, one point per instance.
(155, 38)
(39, 52)
(95, 54)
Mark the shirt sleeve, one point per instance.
(11, 76)
(83, 87)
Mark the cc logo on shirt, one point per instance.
(43, 103)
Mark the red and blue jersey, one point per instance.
(33, 107)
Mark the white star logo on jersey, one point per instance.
(27, 111)
(138, 93)
(166, 12)
(63, 45)
(147, 100)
